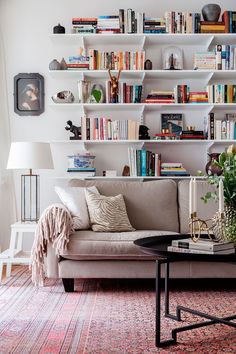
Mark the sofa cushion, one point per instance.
(150, 205)
(107, 214)
(92, 245)
(204, 210)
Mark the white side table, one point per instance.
(15, 254)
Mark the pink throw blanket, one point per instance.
(55, 226)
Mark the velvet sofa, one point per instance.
(154, 208)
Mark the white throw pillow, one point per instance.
(74, 199)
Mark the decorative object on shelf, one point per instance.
(148, 65)
(96, 95)
(63, 97)
(63, 64)
(59, 29)
(211, 167)
(84, 90)
(82, 163)
(143, 132)
(190, 128)
(211, 12)
(126, 171)
(114, 85)
(30, 155)
(74, 130)
(172, 58)
(109, 173)
(54, 65)
(29, 94)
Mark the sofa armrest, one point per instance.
(51, 263)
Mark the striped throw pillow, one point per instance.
(107, 214)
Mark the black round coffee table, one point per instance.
(158, 246)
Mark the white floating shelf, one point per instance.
(73, 176)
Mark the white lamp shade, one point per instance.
(30, 155)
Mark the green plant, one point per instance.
(227, 163)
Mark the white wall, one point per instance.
(26, 26)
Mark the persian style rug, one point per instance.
(106, 317)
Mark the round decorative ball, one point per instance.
(211, 12)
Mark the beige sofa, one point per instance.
(154, 208)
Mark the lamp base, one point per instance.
(30, 206)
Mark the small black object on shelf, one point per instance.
(143, 133)
(59, 29)
(74, 130)
(148, 65)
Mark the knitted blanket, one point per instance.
(55, 226)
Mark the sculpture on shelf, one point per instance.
(63, 97)
(59, 29)
(96, 95)
(63, 64)
(172, 58)
(74, 130)
(126, 171)
(54, 65)
(143, 133)
(114, 86)
(211, 12)
(148, 65)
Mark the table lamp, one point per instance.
(30, 155)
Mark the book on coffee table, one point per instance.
(198, 251)
(202, 244)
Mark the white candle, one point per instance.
(190, 197)
(221, 196)
(194, 195)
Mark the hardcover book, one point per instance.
(173, 122)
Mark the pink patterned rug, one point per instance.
(106, 317)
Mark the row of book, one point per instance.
(173, 169)
(182, 22)
(221, 93)
(105, 129)
(181, 94)
(131, 21)
(122, 60)
(78, 62)
(222, 58)
(126, 93)
(160, 96)
(222, 129)
(202, 246)
(144, 163)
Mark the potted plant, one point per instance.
(227, 164)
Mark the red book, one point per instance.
(84, 19)
(225, 19)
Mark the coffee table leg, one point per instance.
(160, 343)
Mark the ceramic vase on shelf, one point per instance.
(211, 167)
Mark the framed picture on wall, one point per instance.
(29, 94)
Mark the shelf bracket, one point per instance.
(143, 41)
(143, 77)
(209, 77)
(209, 41)
(142, 120)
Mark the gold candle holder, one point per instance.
(198, 226)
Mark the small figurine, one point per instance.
(114, 86)
(143, 133)
(126, 171)
(74, 130)
(148, 65)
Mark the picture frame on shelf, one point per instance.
(29, 94)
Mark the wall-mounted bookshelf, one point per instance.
(112, 153)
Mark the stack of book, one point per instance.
(154, 25)
(78, 63)
(202, 246)
(84, 25)
(160, 97)
(192, 135)
(108, 24)
(144, 163)
(222, 129)
(212, 27)
(173, 169)
(106, 129)
(127, 93)
(205, 61)
(83, 165)
(99, 60)
(182, 22)
(229, 19)
(131, 21)
(198, 97)
(225, 57)
(181, 93)
(221, 93)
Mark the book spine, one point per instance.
(143, 162)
